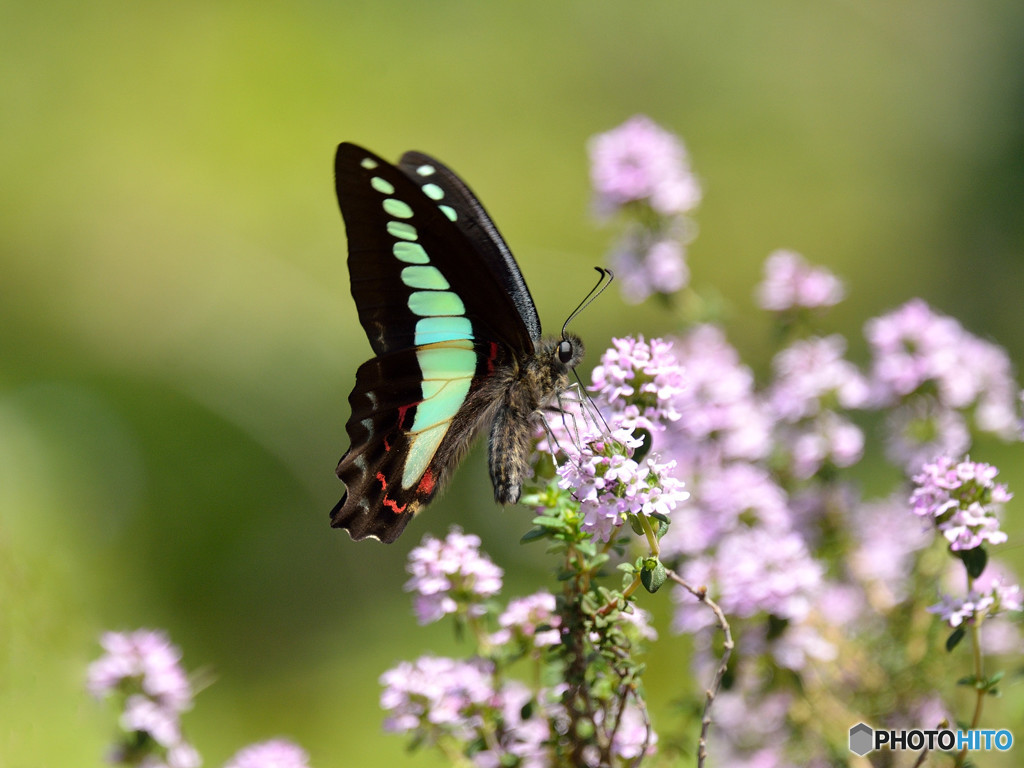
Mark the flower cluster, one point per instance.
(450, 576)
(961, 498)
(441, 695)
(640, 382)
(144, 669)
(813, 382)
(999, 597)
(781, 538)
(933, 374)
(474, 708)
(791, 283)
(722, 418)
(530, 620)
(604, 455)
(610, 485)
(643, 171)
(276, 753)
(641, 162)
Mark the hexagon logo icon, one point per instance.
(861, 739)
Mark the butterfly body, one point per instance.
(456, 337)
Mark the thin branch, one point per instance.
(701, 593)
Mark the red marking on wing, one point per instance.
(394, 505)
(492, 357)
(389, 502)
(426, 482)
(401, 414)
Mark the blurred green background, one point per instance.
(177, 338)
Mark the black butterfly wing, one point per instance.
(443, 324)
(396, 232)
(457, 201)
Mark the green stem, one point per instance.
(629, 590)
(979, 674)
(652, 537)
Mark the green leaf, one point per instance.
(532, 535)
(954, 639)
(643, 449)
(974, 560)
(653, 577)
(587, 548)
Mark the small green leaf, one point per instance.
(652, 578)
(643, 449)
(598, 560)
(974, 560)
(532, 535)
(954, 639)
(587, 548)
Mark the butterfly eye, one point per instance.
(565, 350)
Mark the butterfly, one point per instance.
(456, 338)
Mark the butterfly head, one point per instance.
(569, 351)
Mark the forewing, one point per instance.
(458, 202)
(411, 266)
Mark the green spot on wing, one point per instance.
(424, 277)
(448, 211)
(447, 376)
(402, 230)
(445, 403)
(430, 330)
(432, 303)
(368, 163)
(432, 191)
(410, 253)
(422, 448)
(382, 185)
(425, 170)
(397, 208)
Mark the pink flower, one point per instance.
(450, 576)
(276, 753)
(790, 282)
(962, 499)
(146, 657)
(641, 162)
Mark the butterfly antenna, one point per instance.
(602, 282)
